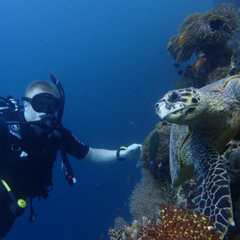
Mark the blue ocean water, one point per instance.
(111, 58)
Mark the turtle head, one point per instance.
(181, 106)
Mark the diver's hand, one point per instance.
(132, 151)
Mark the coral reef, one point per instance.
(119, 223)
(176, 223)
(235, 63)
(172, 224)
(156, 150)
(210, 36)
(235, 3)
(213, 63)
(129, 232)
(155, 186)
(179, 49)
(207, 36)
(214, 27)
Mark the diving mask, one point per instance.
(44, 102)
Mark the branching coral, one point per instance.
(119, 223)
(214, 27)
(129, 232)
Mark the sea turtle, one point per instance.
(204, 121)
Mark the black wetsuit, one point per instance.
(26, 163)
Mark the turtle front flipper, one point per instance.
(213, 195)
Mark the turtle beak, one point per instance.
(161, 110)
(169, 111)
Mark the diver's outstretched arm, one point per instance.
(104, 156)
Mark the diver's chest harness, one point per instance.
(29, 161)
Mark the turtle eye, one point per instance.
(173, 97)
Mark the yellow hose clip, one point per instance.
(21, 203)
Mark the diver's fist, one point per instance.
(132, 151)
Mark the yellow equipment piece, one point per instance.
(20, 202)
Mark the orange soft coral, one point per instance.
(172, 224)
(178, 224)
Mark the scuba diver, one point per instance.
(31, 136)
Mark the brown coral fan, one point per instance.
(179, 224)
(155, 186)
(148, 195)
(214, 27)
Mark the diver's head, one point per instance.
(41, 98)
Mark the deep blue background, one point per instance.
(111, 58)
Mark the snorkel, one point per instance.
(69, 176)
(61, 96)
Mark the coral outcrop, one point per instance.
(155, 151)
(212, 28)
(207, 35)
(172, 224)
